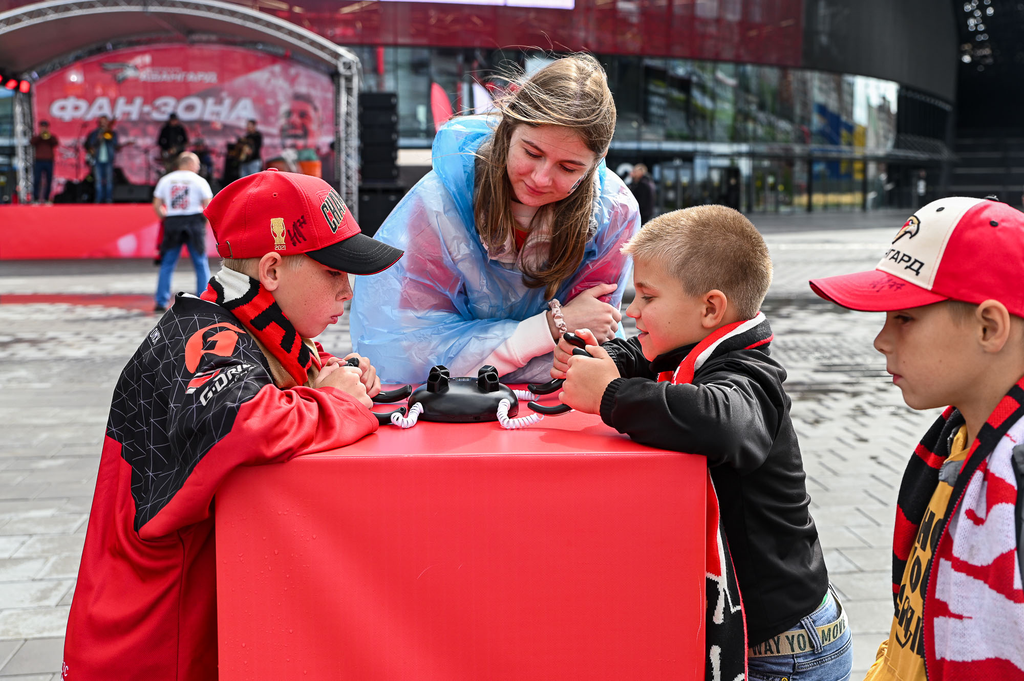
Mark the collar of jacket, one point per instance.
(746, 334)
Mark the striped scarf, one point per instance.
(725, 626)
(974, 603)
(262, 317)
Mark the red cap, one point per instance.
(289, 213)
(958, 248)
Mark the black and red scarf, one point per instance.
(262, 317)
(725, 624)
(974, 602)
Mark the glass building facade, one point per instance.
(760, 138)
(763, 105)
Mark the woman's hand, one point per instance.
(587, 311)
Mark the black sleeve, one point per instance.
(162, 140)
(729, 417)
(629, 357)
(1018, 471)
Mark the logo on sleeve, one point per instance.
(216, 339)
(213, 382)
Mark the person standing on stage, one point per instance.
(43, 145)
(102, 146)
(172, 141)
(179, 199)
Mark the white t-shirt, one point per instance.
(182, 192)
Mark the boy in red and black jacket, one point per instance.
(225, 380)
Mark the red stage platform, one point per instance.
(73, 231)
(448, 552)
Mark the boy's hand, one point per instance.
(345, 379)
(586, 380)
(563, 351)
(367, 372)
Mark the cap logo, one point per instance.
(333, 209)
(277, 229)
(909, 229)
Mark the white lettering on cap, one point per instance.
(917, 249)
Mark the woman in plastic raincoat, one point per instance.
(518, 225)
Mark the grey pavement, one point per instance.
(67, 328)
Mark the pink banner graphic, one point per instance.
(214, 90)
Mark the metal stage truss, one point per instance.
(28, 44)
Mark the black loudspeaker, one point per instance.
(378, 137)
(375, 204)
(132, 193)
(77, 192)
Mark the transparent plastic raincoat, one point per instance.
(446, 301)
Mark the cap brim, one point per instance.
(873, 291)
(358, 254)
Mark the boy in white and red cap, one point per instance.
(225, 380)
(951, 288)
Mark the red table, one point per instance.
(448, 552)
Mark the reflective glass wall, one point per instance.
(761, 138)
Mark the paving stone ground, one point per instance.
(67, 328)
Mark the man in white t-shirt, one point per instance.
(179, 199)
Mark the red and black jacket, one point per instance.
(195, 402)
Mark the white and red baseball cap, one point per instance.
(957, 248)
(290, 214)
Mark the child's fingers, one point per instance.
(587, 335)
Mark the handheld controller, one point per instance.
(385, 397)
(556, 384)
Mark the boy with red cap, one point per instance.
(950, 285)
(225, 380)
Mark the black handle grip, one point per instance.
(384, 418)
(556, 384)
(545, 388)
(352, 362)
(553, 410)
(573, 339)
(388, 396)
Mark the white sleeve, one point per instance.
(161, 190)
(204, 188)
(532, 338)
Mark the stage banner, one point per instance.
(213, 89)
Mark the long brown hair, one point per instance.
(571, 92)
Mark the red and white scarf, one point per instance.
(974, 602)
(262, 317)
(725, 624)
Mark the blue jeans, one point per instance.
(832, 661)
(191, 231)
(250, 168)
(40, 170)
(104, 173)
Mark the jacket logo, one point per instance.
(223, 336)
(277, 229)
(333, 209)
(909, 229)
(219, 380)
